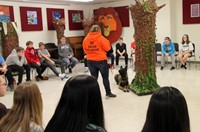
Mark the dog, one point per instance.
(122, 79)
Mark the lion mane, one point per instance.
(112, 27)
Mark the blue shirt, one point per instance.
(1, 60)
(170, 49)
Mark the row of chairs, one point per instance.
(158, 48)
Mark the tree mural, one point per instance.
(144, 21)
(87, 24)
(9, 36)
(59, 26)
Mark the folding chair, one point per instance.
(194, 56)
(158, 50)
(176, 52)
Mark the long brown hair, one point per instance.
(27, 108)
(188, 40)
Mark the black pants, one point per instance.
(8, 75)
(126, 58)
(85, 62)
(52, 67)
(40, 69)
(100, 66)
(20, 70)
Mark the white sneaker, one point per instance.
(65, 75)
(86, 69)
(62, 76)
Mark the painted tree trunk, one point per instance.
(144, 21)
(9, 40)
(59, 26)
(87, 24)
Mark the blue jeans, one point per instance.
(102, 66)
(70, 62)
(111, 57)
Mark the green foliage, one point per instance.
(146, 82)
(146, 6)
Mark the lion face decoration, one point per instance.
(112, 27)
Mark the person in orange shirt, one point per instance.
(95, 46)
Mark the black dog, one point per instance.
(122, 79)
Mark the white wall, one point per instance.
(179, 28)
(169, 22)
(163, 25)
(45, 35)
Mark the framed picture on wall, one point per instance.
(6, 13)
(54, 13)
(191, 11)
(194, 10)
(31, 19)
(75, 17)
(123, 12)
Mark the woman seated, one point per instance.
(185, 51)
(167, 112)
(80, 107)
(26, 112)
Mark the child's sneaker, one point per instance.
(62, 76)
(86, 69)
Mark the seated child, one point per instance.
(17, 62)
(46, 60)
(34, 61)
(121, 51)
(66, 54)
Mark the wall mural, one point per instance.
(59, 26)
(112, 27)
(9, 36)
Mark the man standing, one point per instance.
(168, 50)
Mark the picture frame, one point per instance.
(74, 22)
(6, 13)
(123, 12)
(191, 11)
(31, 18)
(194, 10)
(54, 13)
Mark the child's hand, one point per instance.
(52, 62)
(38, 63)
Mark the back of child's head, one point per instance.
(79, 105)
(27, 107)
(167, 112)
